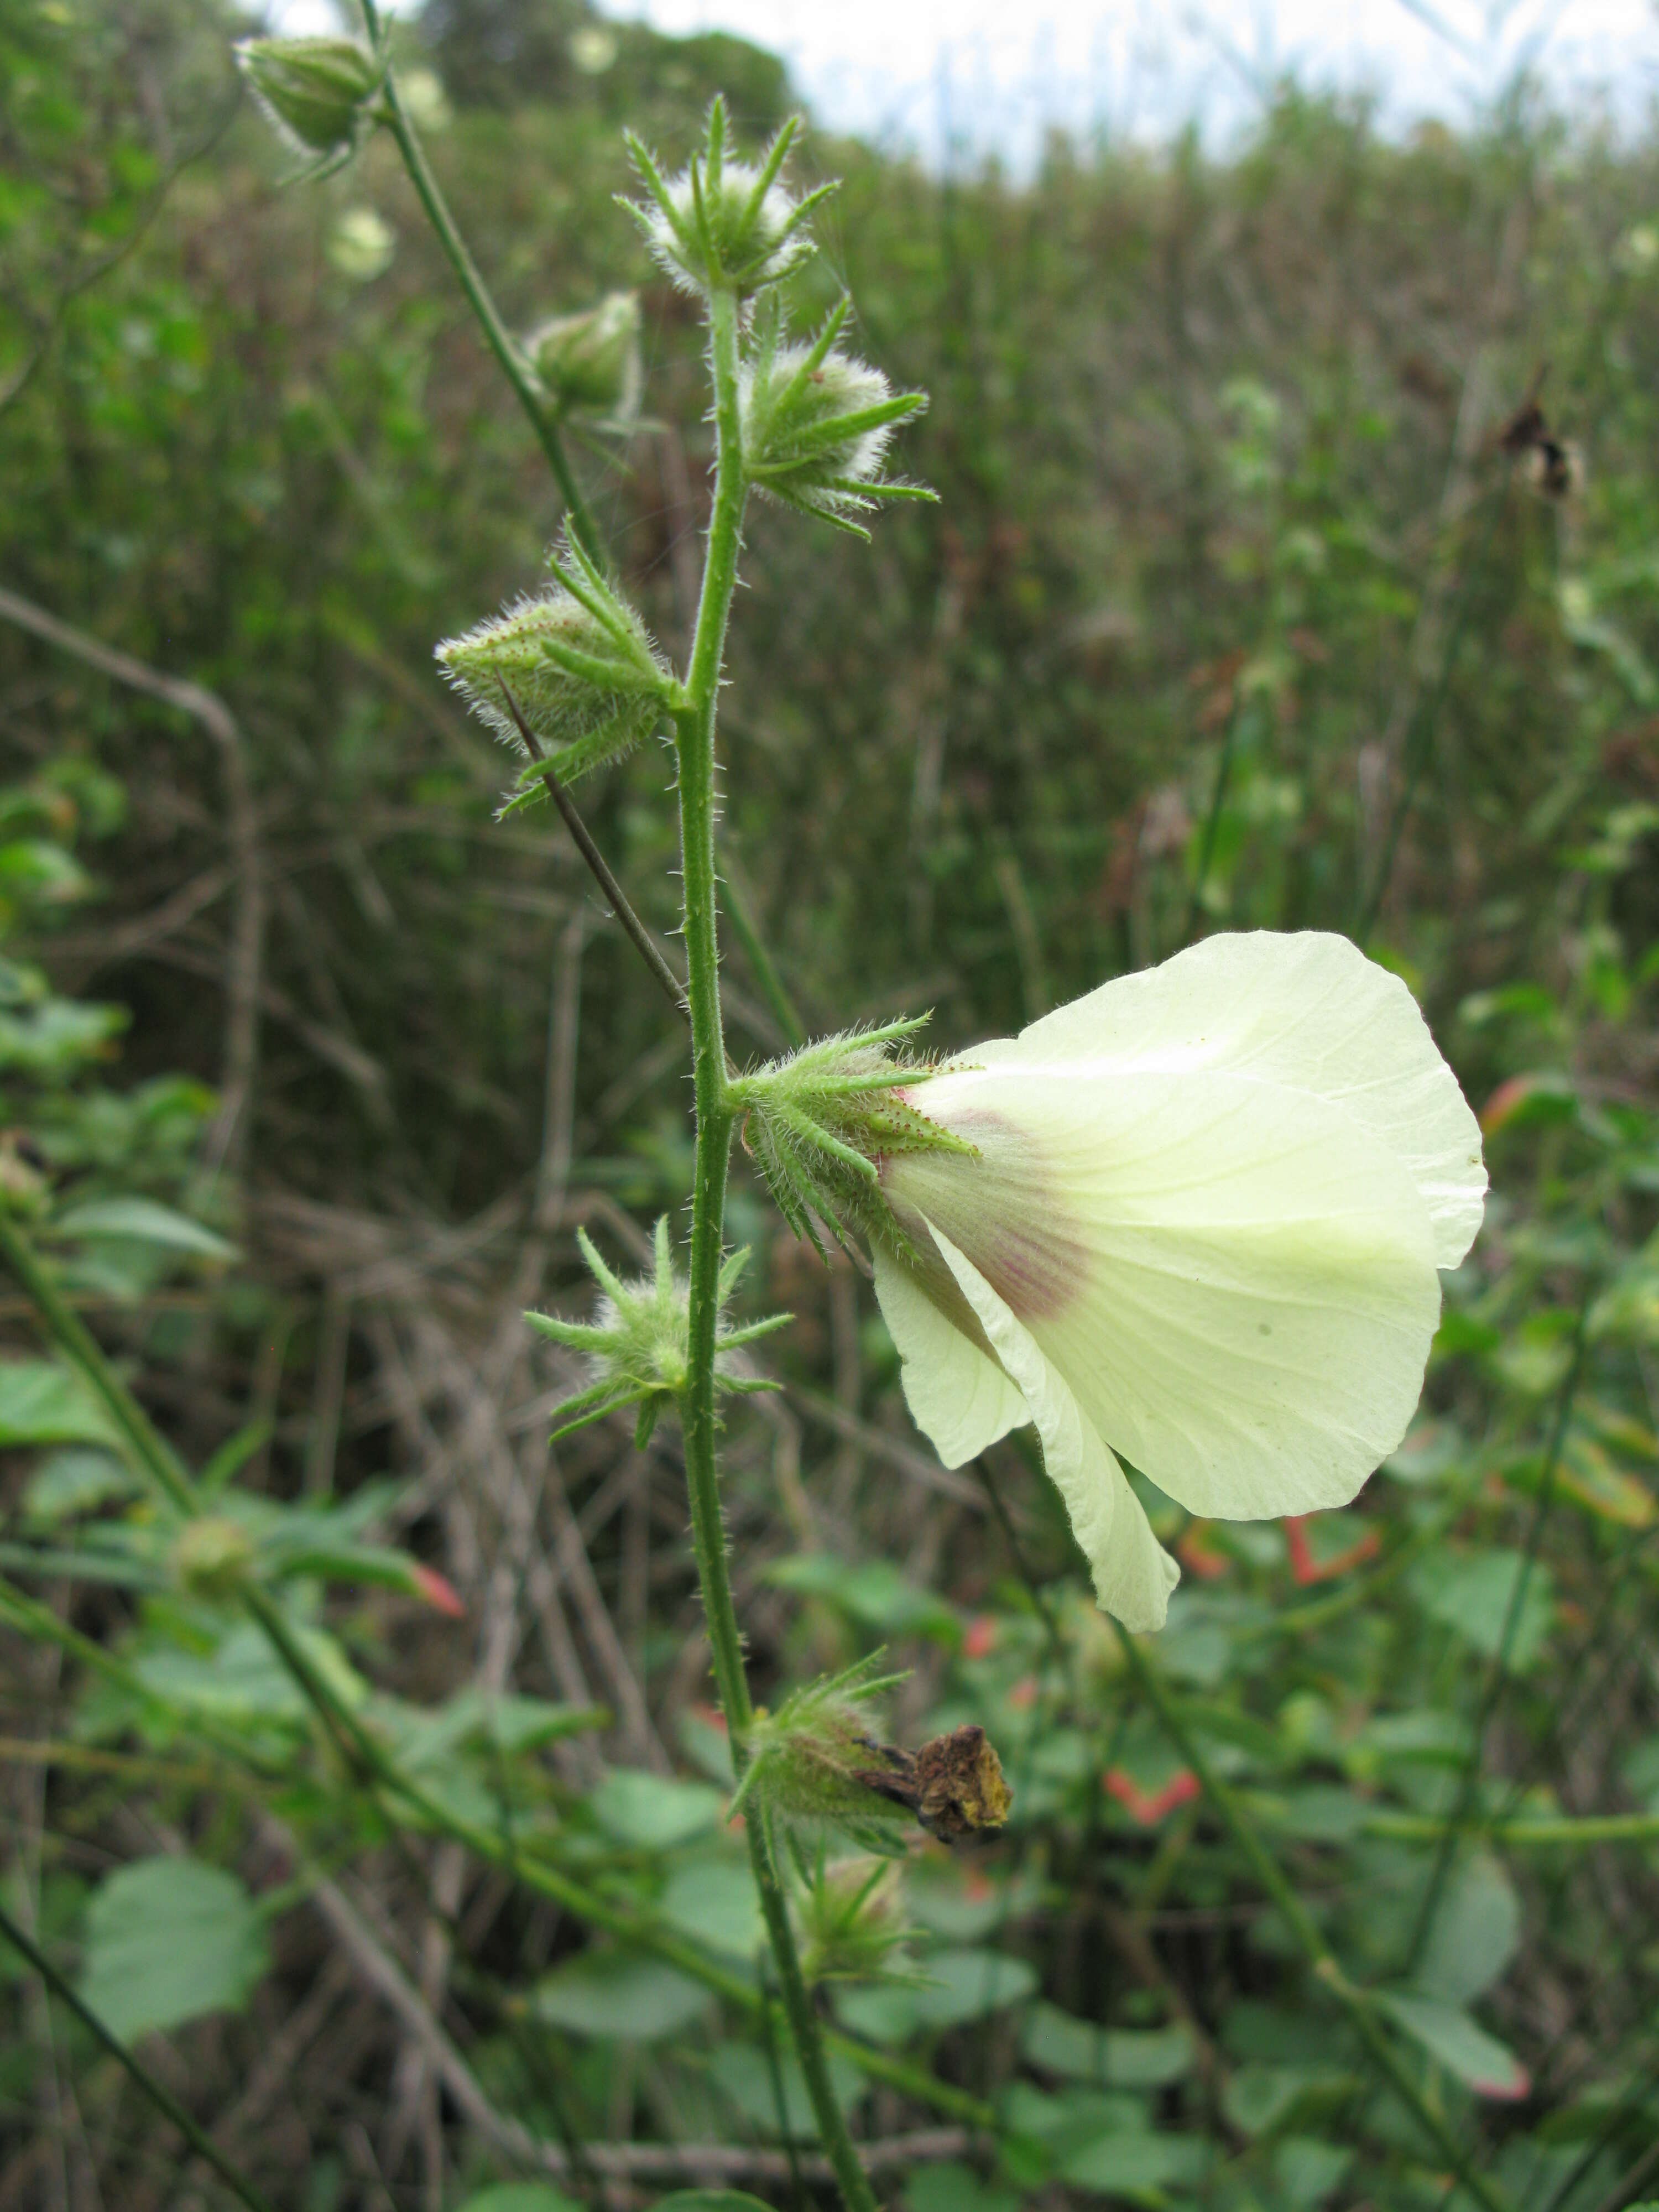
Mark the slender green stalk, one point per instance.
(1354, 2001)
(499, 339)
(696, 730)
(163, 2099)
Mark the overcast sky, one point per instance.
(987, 74)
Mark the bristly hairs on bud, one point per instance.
(323, 95)
(723, 225)
(588, 364)
(819, 1121)
(637, 1343)
(807, 1759)
(852, 1922)
(576, 662)
(816, 423)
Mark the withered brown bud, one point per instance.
(953, 1784)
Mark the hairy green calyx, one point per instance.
(820, 1122)
(637, 1343)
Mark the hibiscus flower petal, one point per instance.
(1235, 1280)
(1132, 1573)
(1307, 1011)
(959, 1399)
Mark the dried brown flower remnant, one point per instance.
(953, 1784)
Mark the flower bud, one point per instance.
(319, 93)
(724, 225)
(590, 363)
(572, 671)
(213, 1556)
(810, 1762)
(815, 425)
(852, 1921)
(819, 1122)
(637, 1344)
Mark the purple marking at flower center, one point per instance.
(1001, 1207)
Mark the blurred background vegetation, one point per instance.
(1295, 566)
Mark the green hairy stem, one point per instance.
(695, 727)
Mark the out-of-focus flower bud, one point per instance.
(819, 1120)
(589, 364)
(817, 425)
(573, 670)
(637, 1343)
(320, 93)
(723, 225)
(213, 1556)
(810, 1762)
(852, 1921)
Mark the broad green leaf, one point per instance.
(1261, 2099)
(744, 2073)
(1117, 2058)
(142, 1221)
(872, 1592)
(168, 1940)
(1307, 2172)
(519, 2196)
(244, 1679)
(609, 1995)
(1129, 2165)
(42, 1403)
(1473, 1596)
(961, 1985)
(1474, 1933)
(710, 2200)
(952, 2187)
(1460, 2044)
(656, 1811)
(77, 1482)
(1075, 2116)
(712, 1900)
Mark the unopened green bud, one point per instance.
(817, 425)
(572, 671)
(815, 1763)
(589, 364)
(723, 225)
(853, 1921)
(320, 93)
(638, 1345)
(821, 1122)
(213, 1556)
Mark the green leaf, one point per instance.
(961, 1985)
(1473, 1597)
(77, 1482)
(872, 1592)
(950, 2186)
(1117, 2058)
(142, 1221)
(1459, 2044)
(168, 1940)
(710, 2200)
(1474, 1933)
(519, 2196)
(607, 1994)
(654, 1812)
(713, 1901)
(1307, 2172)
(244, 1679)
(42, 1403)
(1130, 2165)
(744, 2073)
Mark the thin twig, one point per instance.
(644, 943)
